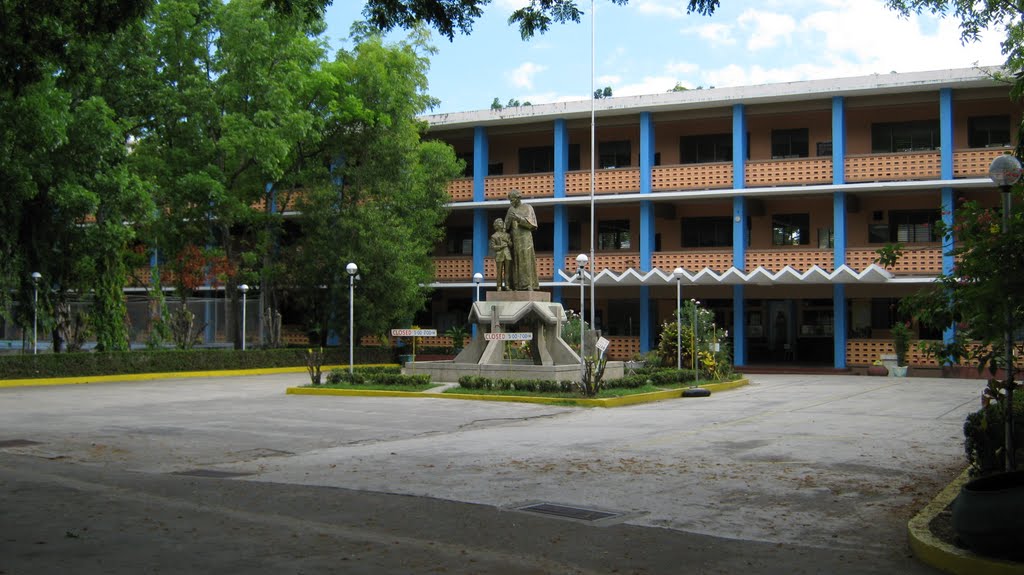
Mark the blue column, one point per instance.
(739, 231)
(839, 338)
(480, 229)
(647, 224)
(561, 240)
(948, 197)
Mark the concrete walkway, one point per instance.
(792, 474)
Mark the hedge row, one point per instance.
(170, 360)
(376, 376)
(985, 436)
(535, 385)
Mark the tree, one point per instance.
(496, 104)
(384, 204)
(605, 92)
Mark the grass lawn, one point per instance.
(372, 387)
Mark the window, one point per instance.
(544, 237)
(459, 241)
(791, 229)
(707, 232)
(705, 148)
(614, 154)
(613, 235)
(789, 143)
(913, 226)
(536, 160)
(468, 158)
(495, 169)
(988, 131)
(826, 238)
(905, 136)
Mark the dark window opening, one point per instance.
(905, 136)
(706, 232)
(988, 131)
(459, 241)
(544, 237)
(613, 235)
(791, 229)
(616, 154)
(496, 169)
(468, 171)
(791, 143)
(705, 148)
(536, 160)
(913, 226)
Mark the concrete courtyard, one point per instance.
(792, 474)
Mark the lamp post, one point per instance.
(244, 288)
(693, 348)
(581, 265)
(678, 272)
(36, 276)
(477, 278)
(352, 270)
(1004, 172)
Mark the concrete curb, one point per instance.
(151, 376)
(562, 401)
(943, 556)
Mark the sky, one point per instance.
(649, 46)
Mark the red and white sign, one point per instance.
(509, 336)
(413, 333)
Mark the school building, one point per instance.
(772, 198)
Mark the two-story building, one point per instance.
(773, 199)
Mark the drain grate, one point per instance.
(578, 513)
(17, 443)
(210, 473)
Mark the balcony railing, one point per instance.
(925, 260)
(899, 166)
(798, 259)
(893, 167)
(693, 261)
(864, 352)
(789, 172)
(692, 177)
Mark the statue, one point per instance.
(501, 243)
(520, 221)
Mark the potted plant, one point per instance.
(900, 342)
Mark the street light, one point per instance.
(244, 288)
(352, 270)
(693, 348)
(581, 265)
(678, 272)
(1004, 172)
(36, 276)
(477, 278)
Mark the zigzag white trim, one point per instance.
(873, 274)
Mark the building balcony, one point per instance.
(901, 166)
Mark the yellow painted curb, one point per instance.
(943, 556)
(582, 402)
(150, 376)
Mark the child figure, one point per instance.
(500, 243)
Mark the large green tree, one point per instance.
(384, 203)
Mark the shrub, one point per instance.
(168, 360)
(539, 386)
(375, 375)
(985, 436)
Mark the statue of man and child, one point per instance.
(512, 243)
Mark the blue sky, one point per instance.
(648, 46)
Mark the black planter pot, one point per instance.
(988, 515)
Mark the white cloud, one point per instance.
(648, 85)
(673, 67)
(767, 29)
(522, 77)
(716, 34)
(608, 80)
(671, 8)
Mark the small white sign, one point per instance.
(413, 333)
(602, 344)
(509, 336)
